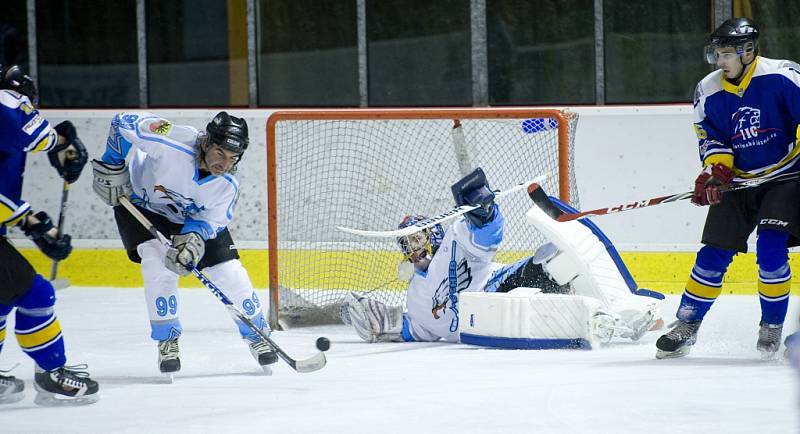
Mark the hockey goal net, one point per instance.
(367, 169)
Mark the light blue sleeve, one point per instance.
(117, 146)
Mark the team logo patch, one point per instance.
(747, 121)
(161, 127)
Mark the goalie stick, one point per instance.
(441, 218)
(666, 199)
(311, 364)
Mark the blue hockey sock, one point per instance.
(774, 275)
(37, 329)
(705, 282)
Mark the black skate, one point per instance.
(11, 389)
(769, 339)
(64, 386)
(678, 341)
(169, 361)
(264, 354)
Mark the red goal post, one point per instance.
(367, 168)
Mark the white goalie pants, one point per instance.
(163, 301)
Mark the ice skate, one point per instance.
(264, 354)
(11, 389)
(769, 340)
(64, 386)
(678, 341)
(169, 361)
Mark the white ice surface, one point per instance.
(721, 387)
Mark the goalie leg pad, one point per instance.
(596, 275)
(524, 319)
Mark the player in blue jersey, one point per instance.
(746, 119)
(23, 130)
(182, 180)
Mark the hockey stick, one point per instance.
(673, 198)
(441, 218)
(311, 364)
(63, 282)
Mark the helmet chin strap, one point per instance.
(738, 78)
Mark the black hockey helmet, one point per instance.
(228, 132)
(12, 78)
(740, 33)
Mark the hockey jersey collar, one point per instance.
(739, 89)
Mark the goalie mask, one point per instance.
(419, 247)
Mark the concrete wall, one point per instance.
(623, 154)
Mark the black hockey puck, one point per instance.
(323, 344)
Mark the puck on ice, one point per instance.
(323, 344)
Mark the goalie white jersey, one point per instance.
(164, 173)
(463, 263)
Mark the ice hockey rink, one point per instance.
(721, 387)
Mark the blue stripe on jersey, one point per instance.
(201, 227)
(117, 147)
(489, 235)
(235, 184)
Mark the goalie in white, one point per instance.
(448, 264)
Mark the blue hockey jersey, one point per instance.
(752, 126)
(22, 130)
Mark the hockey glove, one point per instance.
(372, 320)
(40, 230)
(707, 186)
(69, 157)
(111, 181)
(186, 251)
(473, 189)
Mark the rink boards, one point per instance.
(665, 272)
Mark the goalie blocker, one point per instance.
(605, 301)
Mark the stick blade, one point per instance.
(314, 363)
(60, 283)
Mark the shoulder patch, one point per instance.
(161, 127)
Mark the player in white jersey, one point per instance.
(182, 180)
(452, 262)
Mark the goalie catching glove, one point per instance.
(707, 185)
(373, 320)
(474, 189)
(111, 181)
(186, 251)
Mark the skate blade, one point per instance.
(680, 352)
(267, 370)
(167, 377)
(12, 398)
(768, 356)
(47, 399)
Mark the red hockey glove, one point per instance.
(707, 185)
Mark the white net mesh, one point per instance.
(369, 174)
